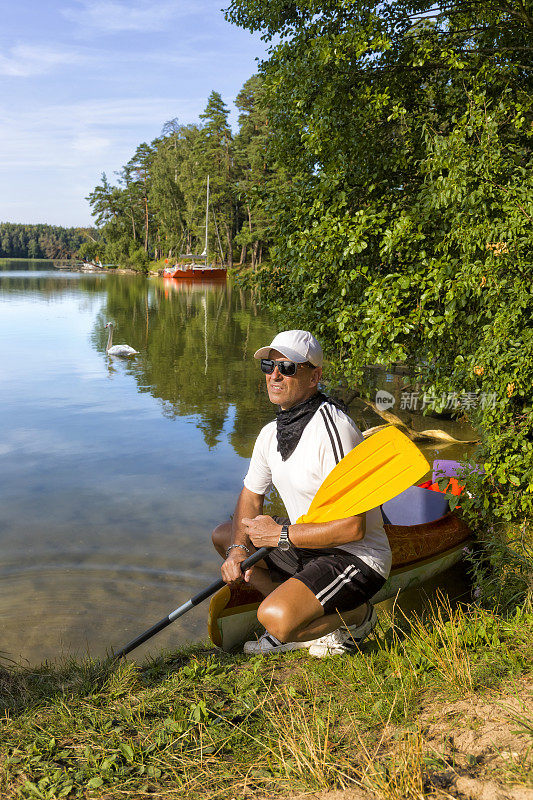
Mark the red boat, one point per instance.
(193, 270)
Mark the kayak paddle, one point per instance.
(376, 470)
(373, 472)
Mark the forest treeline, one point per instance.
(156, 207)
(40, 241)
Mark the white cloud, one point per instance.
(112, 16)
(66, 111)
(92, 145)
(80, 134)
(52, 157)
(24, 60)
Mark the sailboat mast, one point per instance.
(206, 222)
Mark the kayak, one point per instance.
(420, 551)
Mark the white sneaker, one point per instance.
(269, 644)
(345, 639)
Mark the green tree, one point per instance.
(405, 232)
(191, 180)
(121, 213)
(40, 241)
(255, 173)
(138, 180)
(157, 206)
(217, 162)
(33, 249)
(166, 195)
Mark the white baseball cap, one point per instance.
(298, 346)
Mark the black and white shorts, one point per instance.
(339, 580)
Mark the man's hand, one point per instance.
(231, 568)
(262, 531)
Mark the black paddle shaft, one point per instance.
(194, 601)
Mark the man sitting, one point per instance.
(328, 571)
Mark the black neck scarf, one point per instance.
(290, 424)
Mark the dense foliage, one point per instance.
(40, 241)
(405, 232)
(158, 207)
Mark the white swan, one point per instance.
(118, 349)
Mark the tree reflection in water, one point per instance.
(196, 342)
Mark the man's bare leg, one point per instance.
(291, 609)
(292, 613)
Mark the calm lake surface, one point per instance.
(113, 472)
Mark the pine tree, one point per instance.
(217, 142)
(254, 171)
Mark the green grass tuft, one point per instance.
(199, 723)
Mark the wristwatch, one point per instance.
(284, 542)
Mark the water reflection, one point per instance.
(195, 342)
(114, 471)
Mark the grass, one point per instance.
(200, 723)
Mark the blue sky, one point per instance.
(83, 82)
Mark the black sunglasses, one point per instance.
(286, 368)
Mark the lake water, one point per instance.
(113, 472)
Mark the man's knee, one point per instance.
(274, 617)
(221, 537)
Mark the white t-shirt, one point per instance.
(327, 437)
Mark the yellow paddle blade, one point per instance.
(372, 473)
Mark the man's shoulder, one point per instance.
(267, 431)
(337, 414)
(331, 421)
(270, 426)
